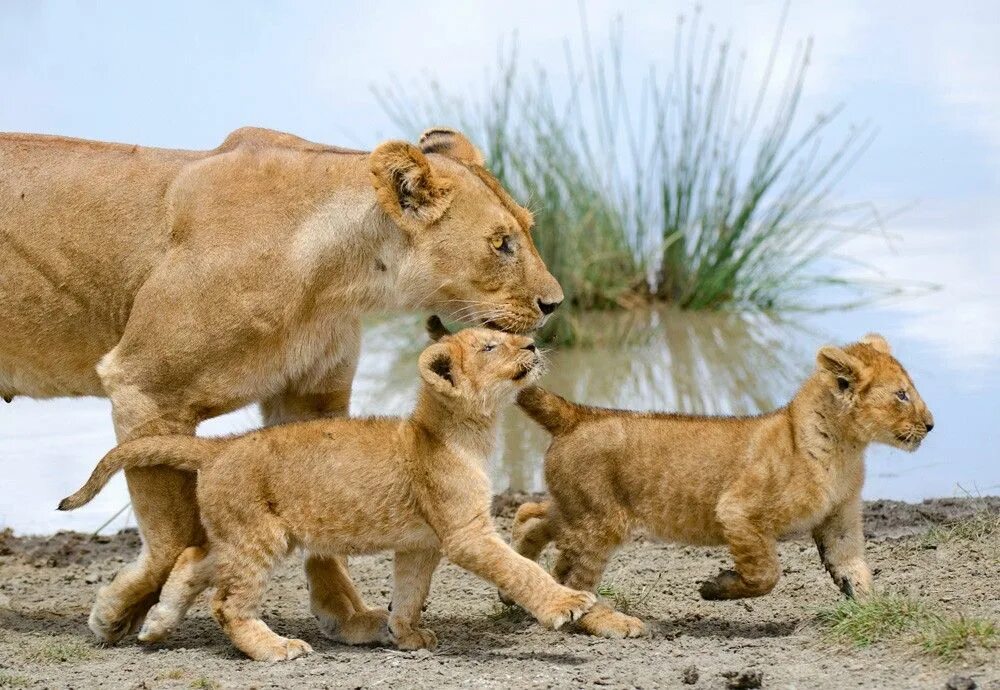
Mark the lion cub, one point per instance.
(354, 486)
(741, 481)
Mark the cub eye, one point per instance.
(501, 243)
(489, 348)
(902, 396)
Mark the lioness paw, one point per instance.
(568, 606)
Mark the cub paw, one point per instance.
(283, 650)
(566, 606)
(725, 585)
(365, 627)
(604, 621)
(159, 622)
(110, 620)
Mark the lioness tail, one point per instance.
(557, 415)
(181, 452)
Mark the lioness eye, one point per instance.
(903, 396)
(501, 243)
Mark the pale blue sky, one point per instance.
(185, 73)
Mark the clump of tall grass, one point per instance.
(703, 194)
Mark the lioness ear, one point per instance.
(406, 187)
(877, 342)
(452, 144)
(436, 328)
(435, 366)
(846, 368)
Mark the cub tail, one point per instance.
(556, 414)
(181, 452)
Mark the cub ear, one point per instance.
(436, 328)
(452, 144)
(406, 187)
(436, 368)
(846, 368)
(877, 342)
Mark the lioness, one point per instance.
(741, 481)
(413, 485)
(185, 284)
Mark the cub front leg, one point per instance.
(412, 573)
(841, 543)
(479, 549)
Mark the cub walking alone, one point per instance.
(741, 481)
(349, 486)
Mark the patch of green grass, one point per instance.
(172, 674)
(686, 186)
(885, 617)
(61, 651)
(953, 638)
(10, 680)
(626, 599)
(205, 682)
(511, 613)
(873, 620)
(983, 526)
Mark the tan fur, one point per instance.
(185, 284)
(743, 481)
(416, 486)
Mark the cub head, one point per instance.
(478, 368)
(878, 395)
(473, 256)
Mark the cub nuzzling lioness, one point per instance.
(740, 481)
(349, 486)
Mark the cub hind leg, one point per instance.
(584, 551)
(755, 557)
(192, 574)
(242, 571)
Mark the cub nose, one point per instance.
(548, 307)
(929, 425)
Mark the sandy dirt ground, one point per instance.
(47, 585)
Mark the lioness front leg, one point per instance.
(412, 573)
(841, 543)
(755, 556)
(342, 614)
(479, 549)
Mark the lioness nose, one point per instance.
(530, 347)
(548, 307)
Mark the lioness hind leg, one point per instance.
(191, 575)
(412, 573)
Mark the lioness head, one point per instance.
(474, 259)
(877, 393)
(479, 368)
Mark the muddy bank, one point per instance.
(48, 583)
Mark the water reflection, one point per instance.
(655, 359)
